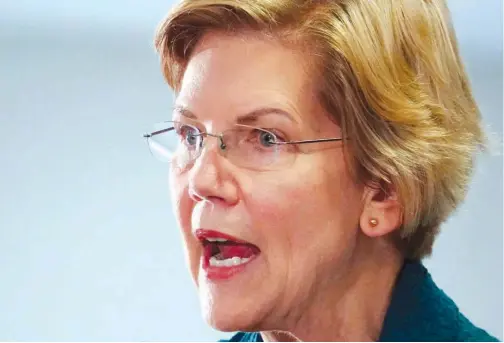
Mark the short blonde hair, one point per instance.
(390, 73)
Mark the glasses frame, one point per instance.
(221, 136)
(222, 146)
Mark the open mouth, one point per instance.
(221, 251)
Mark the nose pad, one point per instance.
(222, 145)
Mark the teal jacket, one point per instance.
(418, 311)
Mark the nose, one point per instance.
(210, 177)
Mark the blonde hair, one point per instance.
(391, 75)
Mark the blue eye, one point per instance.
(191, 139)
(189, 135)
(267, 139)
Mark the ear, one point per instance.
(382, 212)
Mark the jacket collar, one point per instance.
(418, 309)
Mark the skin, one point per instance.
(324, 273)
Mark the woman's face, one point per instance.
(300, 222)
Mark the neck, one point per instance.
(354, 309)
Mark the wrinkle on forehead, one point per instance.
(231, 75)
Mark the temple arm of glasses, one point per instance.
(149, 135)
(312, 141)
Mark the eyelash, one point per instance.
(279, 134)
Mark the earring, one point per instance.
(373, 222)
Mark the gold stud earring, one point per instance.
(373, 222)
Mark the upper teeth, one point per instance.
(229, 262)
(216, 239)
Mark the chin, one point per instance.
(229, 316)
(233, 320)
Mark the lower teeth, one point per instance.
(229, 262)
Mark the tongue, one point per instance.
(240, 250)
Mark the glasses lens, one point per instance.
(255, 148)
(174, 142)
(245, 146)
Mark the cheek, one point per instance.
(285, 212)
(304, 220)
(182, 206)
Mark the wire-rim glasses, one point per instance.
(245, 146)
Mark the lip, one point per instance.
(214, 273)
(203, 234)
(224, 273)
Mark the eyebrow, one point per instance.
(248, 118)
(183, 111)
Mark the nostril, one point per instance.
(215, 199)
(195, 197)
(210, 198)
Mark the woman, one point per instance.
(315, 149)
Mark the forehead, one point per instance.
(230, 75)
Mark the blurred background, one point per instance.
(89, 249)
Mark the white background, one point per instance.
(88, 246)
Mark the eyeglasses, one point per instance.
(244, 146)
